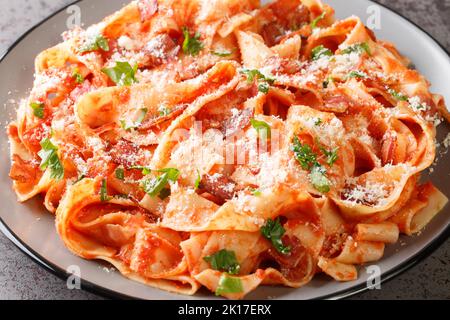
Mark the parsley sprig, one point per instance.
(128, 125)
(308, 160)
(262, 128)
(398, 95)
(38, 109)
(192, 44)
(274, 231)
(317, 20)
(157, 186)
(357, 74)
(97, 43)
(264, 82)
(77, 76)
(122, 74)
(120, 174)
(319, 52)
(229, 284)
(50, 160)
(104, 192)
(358, 48)
(224, 260)
(222, 54)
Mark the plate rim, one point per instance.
(112, 294)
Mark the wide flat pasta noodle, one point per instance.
(223, 144)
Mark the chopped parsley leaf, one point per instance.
(317, 20)
(120, 173)
(229, 284)
(122, 74)
(224, 260)
(153, 187)
(319, 179)
(263, 128)
(359, 48)
(38, 109)
(191, 45)
(50, 160)
(104, 192)
(319, 52)
(126, 125)
(274, 231)
(99, 42)
(398, 95)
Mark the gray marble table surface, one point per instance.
(21, 278)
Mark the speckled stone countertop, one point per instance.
(21, 278)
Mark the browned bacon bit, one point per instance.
(333, 244)
(292, 13)
(294, 266)
(161, 119)
(160, 49)
(286, 66)
(219, 186)
(272, 33)
(22, 171)
(237, 122)
(124, 153)
(147, 8)
(337, 103)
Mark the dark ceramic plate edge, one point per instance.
(107, 293)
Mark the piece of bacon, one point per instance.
(124, 153)
(222, 187)
(294, 265)
(22, 171)
(159, 50)
(147, 8)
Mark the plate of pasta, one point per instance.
(192, 149)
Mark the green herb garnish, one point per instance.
(229, 284)
(49, 159)
(398, 95)
(197, 180)
(274, 231)
(222, 54)
(332, 155)
(122, 74)
(317, 20)
(359, 48)
(224, 260)
(38, 109)
(154, 186)
(126, 125)
(77, 76)
(304, 154)
(308, 161)
(99, 42)
(191, 45)
(263, 128)
(319, 179)
(104, 192)
(120, 173)
(264, 82)
(357, 74)
(319, 52)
